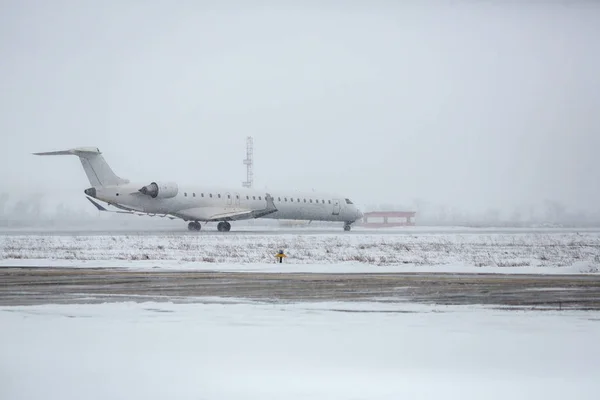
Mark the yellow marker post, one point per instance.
(280, 256)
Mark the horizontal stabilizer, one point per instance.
(97, 170)
(79, 151)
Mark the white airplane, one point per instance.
(204, 204)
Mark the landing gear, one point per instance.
(224, 226)
(194, 226)
(347, 226)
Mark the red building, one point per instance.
(384, 219)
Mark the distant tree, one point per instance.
(442, 214)
(21, 210)
(515, 217)
(35, 206)
(61, 211)
(532, 214)
(554, 211)
(3, 201)
(457, 216)
(580, 218)
(492, 216)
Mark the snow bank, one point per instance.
(573, 252)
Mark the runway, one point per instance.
(210, 230)
(34, 286)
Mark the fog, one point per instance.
(474, 108)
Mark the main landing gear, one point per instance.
(194, 226)
(221, 226)
(224, 226)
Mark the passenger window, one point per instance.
(279, 199)
(260, 198)
(329, 201)
(185, 194)
(285, 198)
(298, 200)
(201, 194)
(210, 195)
(310, 200)
(253, 197)
(292, 200)
(323, 201)
(305, 200)
(228, 196)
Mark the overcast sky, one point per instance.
(474, 104)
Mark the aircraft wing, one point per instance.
(206, 214)
(209, 214)
(126, 210)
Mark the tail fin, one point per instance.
(96, 169)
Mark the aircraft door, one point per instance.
(228, 198)
(336, 207)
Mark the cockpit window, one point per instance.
(348, 201)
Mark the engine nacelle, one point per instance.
(160, 190)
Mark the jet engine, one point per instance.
(160, 190)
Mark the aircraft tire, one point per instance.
(194, 226)
(224, 226)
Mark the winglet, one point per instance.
(98, 206)
(270, 203)
(270, 209)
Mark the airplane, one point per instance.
(196, 204)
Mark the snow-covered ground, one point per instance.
(530, 252)
(296, 351)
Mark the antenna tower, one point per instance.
(249, 161)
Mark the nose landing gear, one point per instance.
(347, 226)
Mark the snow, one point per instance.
(502, 252)
(345, 268)
(296, 351)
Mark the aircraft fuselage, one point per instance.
(290, 205)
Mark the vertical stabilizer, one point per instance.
(97, 170)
